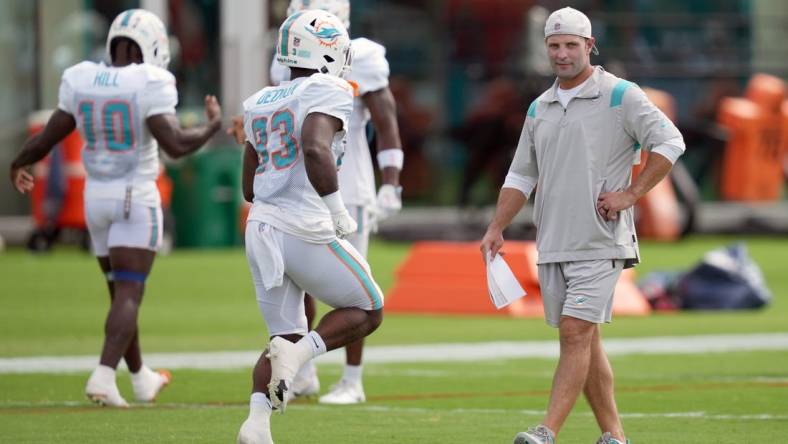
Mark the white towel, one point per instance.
(268, 254)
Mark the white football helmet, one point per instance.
(147, 31)
(314, 39)
(340, 8)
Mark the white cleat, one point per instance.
(284, 366)
(103, 393)
(344, 393)
(255, 432)
(305, 382)
(152, 384)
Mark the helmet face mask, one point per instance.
(314, 39)
(340, 8)
(147, 31)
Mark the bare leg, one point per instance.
(342, 326)
(120, 328)
(353, 352)
(133, 356)
(570, 375)
(599, 389)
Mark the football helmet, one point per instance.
(147, 31)
(340, 8)
(314, 39)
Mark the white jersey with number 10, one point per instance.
(110, 105)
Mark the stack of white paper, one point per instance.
(501, 283)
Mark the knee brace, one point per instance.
(128, 276)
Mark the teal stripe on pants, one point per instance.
(361, 274)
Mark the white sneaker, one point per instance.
(150, 384)
(344, 392)
(305, 382)
(104, 393)
(256, 431)
(284, 365)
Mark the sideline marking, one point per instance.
(458, 352)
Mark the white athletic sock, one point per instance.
(352, 373)
(259, 406)
(314, 343)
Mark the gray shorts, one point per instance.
(580, 289)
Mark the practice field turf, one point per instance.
(203, 301)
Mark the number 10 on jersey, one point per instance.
(286, 155)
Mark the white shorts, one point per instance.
(360, 239)
(334, 273)
(109, 227)
(580, 289)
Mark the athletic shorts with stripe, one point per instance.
(579, 289)
(334, 273)
(110, 226)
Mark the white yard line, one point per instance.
(415, 410)
(482, 351)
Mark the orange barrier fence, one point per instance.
(752, 168)
(450, 278)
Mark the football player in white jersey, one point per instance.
(373, 101)
(295, 139)
(122, 110)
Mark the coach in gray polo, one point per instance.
(579, 142)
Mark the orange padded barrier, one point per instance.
(658, 210)
(450, 278)
(753, 164)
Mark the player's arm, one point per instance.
(317, 134)
(645, 123)
(519, 184)
(37, 147)
(383, 111)
(250, 165)
(510, 201)
(178, 142)
(657, 167)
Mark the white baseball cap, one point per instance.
(569, 21)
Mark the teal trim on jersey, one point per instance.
(532, 110)
(126, 18)
(360, 219)
(360, 273)
(286, 32)
(617, 96)
(636, 146)
(154, 234)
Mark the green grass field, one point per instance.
(203, 301)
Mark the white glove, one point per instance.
(344, 225)
(389, 200)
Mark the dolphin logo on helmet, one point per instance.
(314, 39)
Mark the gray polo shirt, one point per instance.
(575, 154)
